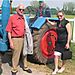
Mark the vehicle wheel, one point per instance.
(44, 43)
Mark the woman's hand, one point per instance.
(47, 20)
(51, 23)
(67, 46)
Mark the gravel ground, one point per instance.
(37, 69)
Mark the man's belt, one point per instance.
(17, 36)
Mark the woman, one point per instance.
(64, 32)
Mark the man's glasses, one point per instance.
(21, 9)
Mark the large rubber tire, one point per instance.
(44, 43)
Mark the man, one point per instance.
(16, 31)
(43, 11)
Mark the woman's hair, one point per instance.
(59, 12)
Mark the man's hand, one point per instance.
(11, 44)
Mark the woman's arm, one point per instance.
(69, 30)
(51, 23)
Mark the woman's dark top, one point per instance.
(62, 35)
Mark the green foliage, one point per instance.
(53, 11)
(73, 51)
(13, 10)
(30, 10)
(69, 8)
(67, 12)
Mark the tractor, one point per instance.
(44, 35)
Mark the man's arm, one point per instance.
(10, 40)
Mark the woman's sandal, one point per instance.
(61, 70)
(54, 72)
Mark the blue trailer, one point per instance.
(3, 22)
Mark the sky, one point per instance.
(50, 3)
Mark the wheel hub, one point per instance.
(47, 44)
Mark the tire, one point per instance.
(44, 43)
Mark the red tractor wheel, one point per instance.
(44, 43)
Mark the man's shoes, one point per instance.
(1, 70)
(27, 70)
(14, 71)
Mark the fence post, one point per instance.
(74, 31)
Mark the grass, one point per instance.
(70, 16)
(67, 16)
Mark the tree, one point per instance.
(53, 11)
(35, 4)
(68, 8)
